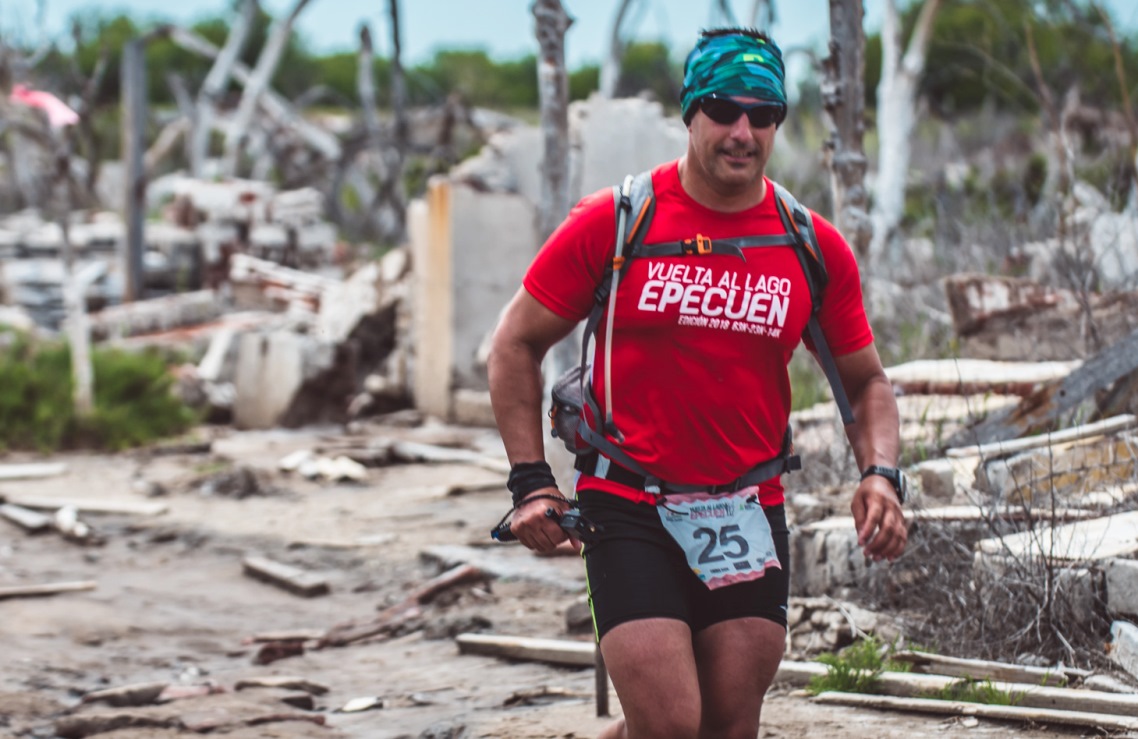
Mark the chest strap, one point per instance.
(702, 245)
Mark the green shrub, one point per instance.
(856, 668)
(133, 399)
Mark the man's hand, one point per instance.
(881, 528)
(535, 528)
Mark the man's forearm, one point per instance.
(875, 435)
(516, 390)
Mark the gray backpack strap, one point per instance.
(797, 220)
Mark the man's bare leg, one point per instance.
(653, 670)
(737, 661)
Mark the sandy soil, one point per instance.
(172, 605)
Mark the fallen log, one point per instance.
(27, 519)
(939, 664)
(960, 708)
(549, 651)
(413, 451)
(1074, 433)
(33, 591)
(89, 506)
(392, 617)
(34, 471)
(1045, 406)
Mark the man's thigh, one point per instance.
(737, 661)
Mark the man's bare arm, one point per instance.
(524, 335)
(875, 438)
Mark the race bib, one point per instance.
(726, 538)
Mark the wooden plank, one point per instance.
(939, 664)
(960, 708)
(413, 451)
(1074, 433)
(550, 651)
(25, 518)
(974, 376)
(1047, 404)
(1094, 540)
(127, 507)
(292, 579)
(32, 471)
(32, 591)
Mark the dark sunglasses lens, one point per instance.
(726, 112)
(765, 115)
(721, 111)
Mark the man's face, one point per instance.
(730, 157)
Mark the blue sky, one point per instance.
(502, 27)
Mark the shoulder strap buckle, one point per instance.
(699, 245)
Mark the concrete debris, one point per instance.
(1123, 646)
(332, 469)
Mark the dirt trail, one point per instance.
(173, 606)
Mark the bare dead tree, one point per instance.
(896, 118)
(398, 80)
(553, 88)
(722, 14)
(365, 82)
(843, 100)
(133, 83)
(258, 82)
(610, 68)
(215, 83)
(763, 14)
(282, 113)
(1127, 108)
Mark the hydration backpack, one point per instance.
(573, 390)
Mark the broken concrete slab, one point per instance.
(1093, 540)
(1122, 587)
(1124, 646)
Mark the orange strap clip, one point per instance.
(702, 245)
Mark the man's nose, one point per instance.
(741, 128)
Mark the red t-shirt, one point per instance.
(700, 343)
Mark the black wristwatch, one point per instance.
(898, 479)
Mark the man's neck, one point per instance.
(701, 189)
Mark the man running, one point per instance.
(688, 580)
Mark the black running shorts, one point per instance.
(636, 570)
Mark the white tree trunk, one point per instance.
(610, 69)
(763, 15)
(365, 82)
(284, 114)
(258, 82)
(553, 87)
(843, 99)
(214, 85)
(896, 119)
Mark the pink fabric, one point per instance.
(58, 113)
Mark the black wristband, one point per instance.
(526, 477)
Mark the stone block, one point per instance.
(936, 479)
(1124, 646)
(270, 371)
(825, 556)
(1063, 469)
(472, 408)
(1122, 586)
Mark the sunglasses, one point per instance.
(726, 111)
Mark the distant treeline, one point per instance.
(981, 55)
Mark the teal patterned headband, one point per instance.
(732, 64)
